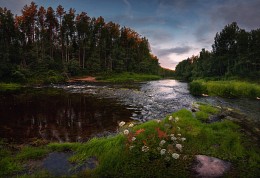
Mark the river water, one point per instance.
(79, 111)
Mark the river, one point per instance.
(79, 111)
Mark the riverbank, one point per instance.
(112, 78)
(127, 77)
(164, 148)
(116, 78)
(226, 89)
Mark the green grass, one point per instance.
(205, 111)
(128, 77)
(221, 139)
(225, 88)
(32, 153)
(8, 164)
(9, 87)
(119, 156)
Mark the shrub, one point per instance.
(197, 88)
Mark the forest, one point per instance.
(235, 55)
(54, 43)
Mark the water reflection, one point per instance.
(76, 112)
(57, 116)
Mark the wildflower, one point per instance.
(163, 151)
(126, 132)
(162, 142)
(133, 139)
(145, 148)
(131, 125)
(167, 158)
(121, 124)
(173, 138)
(170, 118)
(131, 147)
(179, 146)
(161, 134)
(172, 135)
(157, 120)
(183, 139)
(139, 131)
(176, 119)
(159, 148)
(179, 134)
(175, 155)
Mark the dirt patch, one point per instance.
(83, 79)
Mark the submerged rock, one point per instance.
(207, 167)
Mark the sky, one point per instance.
(176, 29)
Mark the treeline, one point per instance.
(235, 54)
(46, 41)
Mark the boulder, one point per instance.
(209, 167)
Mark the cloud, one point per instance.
(127, 3)
(178, 4)
(176, 50)
(128, 12)
(14, 5)
(245, 13)
(157, 36)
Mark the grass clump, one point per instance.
(8, 164)
(197, 88)
(205, 111)
(32, 153)
(63, 147)
(229, 89)
(128, 77)
(9, 87)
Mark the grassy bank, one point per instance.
(152, 146)
(9, 87)
(128, 77)
(230, 89)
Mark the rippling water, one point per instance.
(76, 112)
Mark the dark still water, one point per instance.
(79, 111)
(56, 115)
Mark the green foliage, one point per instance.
(128, 77)
(201, 115)
(66, 42)
(73, 67)
(197, 88)
(63, 146)
(235, 53)
(40, 174)
(8, 164)
(225, 88)
(9, 86)
(208, 109)
(32, 153)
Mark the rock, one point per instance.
(216, 118)
(207, 167)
